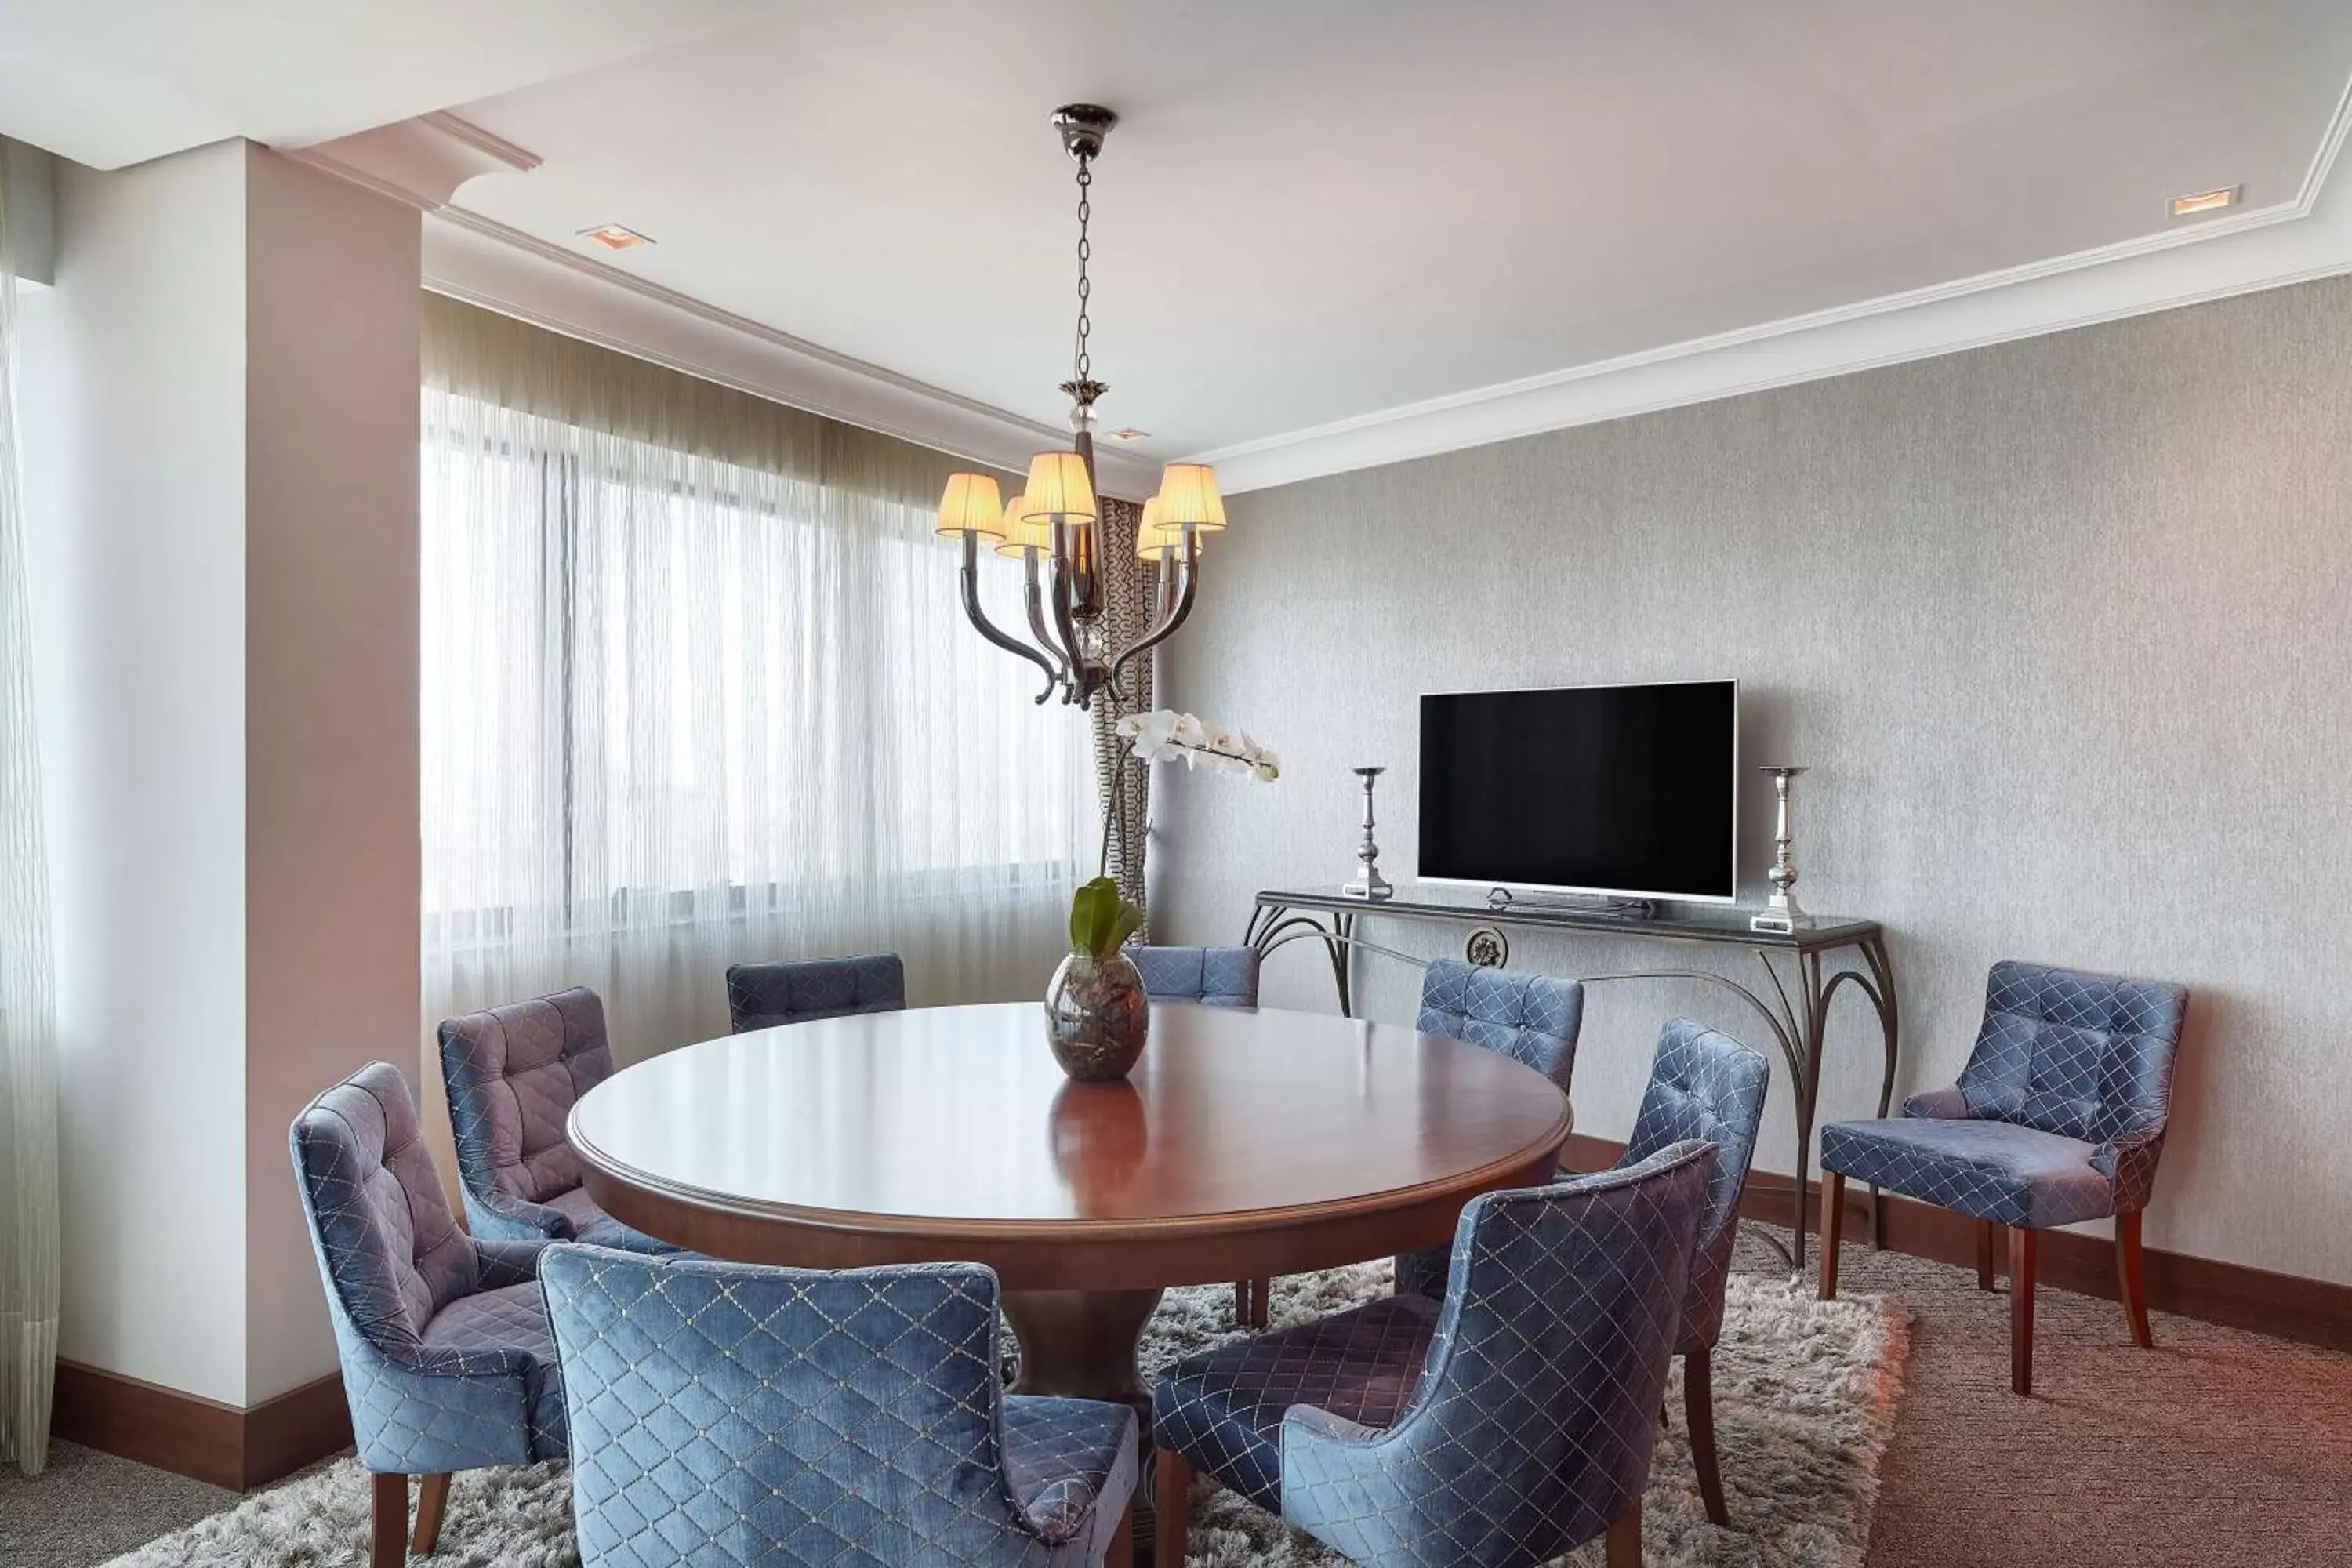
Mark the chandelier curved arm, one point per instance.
(1072, 650)
(987, 628)
(1033, 595)
(1167, 628)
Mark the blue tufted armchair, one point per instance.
(765, 996)
(447, 1362)
(1215, 977)
(725, 1412)
(1533, 1018)
(513, 1074)
(1706, 1086)
(2058, 1117)
(1499, 1429)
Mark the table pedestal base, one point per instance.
(1080, 1342)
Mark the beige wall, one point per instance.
(332, 563)
(221, 465)
(2061, 628)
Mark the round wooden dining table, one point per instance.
(1246, 1143)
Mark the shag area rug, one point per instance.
(1804, 1406)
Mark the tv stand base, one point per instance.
(1579, 903)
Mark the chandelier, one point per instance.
(1055, 526)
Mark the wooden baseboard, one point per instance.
(197, 1437)
(2309, 1312)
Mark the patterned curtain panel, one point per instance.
(697, 690)
(1123, 784)
(28, 1071)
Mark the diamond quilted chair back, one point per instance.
(766, 996)
(1705, 1085)
(724, 1414)
(2083, 1055)
(389, 1250)
(1532, 1424)
(514, 1073)
(1216, 976)
(1532, 1018)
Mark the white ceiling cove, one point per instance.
(1331, 233)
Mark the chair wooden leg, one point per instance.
(1241, 1302)
(2134, 1290)
(1261, 1302)
(1988, 1237)
(2020, 1310)
(432, 1501)
(1698, 1411)
(1624, 1547)
(389, 1548)
(1122, 1545)
(1832, 1211)
(1172, 1480)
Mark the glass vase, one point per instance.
(1096, 1017)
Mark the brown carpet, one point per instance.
(2217, 1448)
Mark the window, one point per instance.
(682, 710)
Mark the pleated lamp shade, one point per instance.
(971, 506)
(1059, 490)
(1153, 542)
(1189, 498)
(1021, 535)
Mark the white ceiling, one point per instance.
(112, 83)
(1317, 210)
(1316, 217)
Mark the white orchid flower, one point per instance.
(1164, 735)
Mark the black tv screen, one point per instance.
(1624, 790)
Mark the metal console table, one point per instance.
(1796, 1009)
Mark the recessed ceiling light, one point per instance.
(612, 236)
(2205, 202)
(1129, 435)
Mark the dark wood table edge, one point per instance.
(1073, 1255)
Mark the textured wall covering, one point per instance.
(2064, 628)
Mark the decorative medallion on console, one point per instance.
(1487, 948)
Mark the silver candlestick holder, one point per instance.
(1367, 882)
(1781, 912)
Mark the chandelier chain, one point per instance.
(1081, 363)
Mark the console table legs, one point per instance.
(1795, 1010)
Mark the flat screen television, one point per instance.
(1618, 790)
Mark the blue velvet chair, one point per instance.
(765, 996)
(446, 1358)
(1215, 977)
(1532, 1018)
(728, 1413)
(1703, 1085)
(513, 1074)
(1498, 1429)
(2058, 1117)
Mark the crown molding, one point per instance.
(2266, 247)
(471, 257)
(420, 162)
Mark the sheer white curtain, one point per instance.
(697, 689)
(29, 1072)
